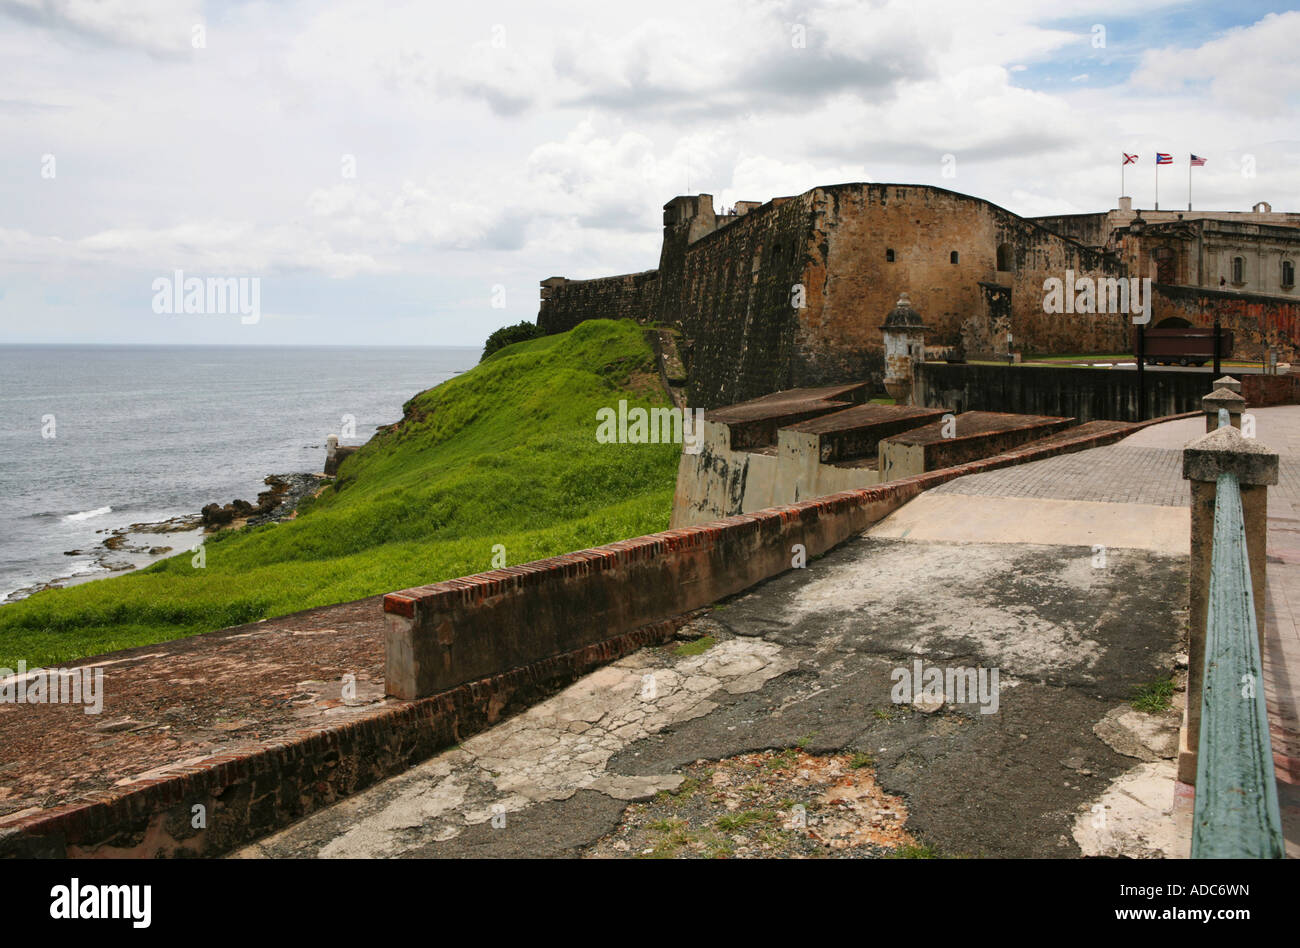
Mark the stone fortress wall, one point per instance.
(789, 293)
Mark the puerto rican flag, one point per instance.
(1129, 159)
(1163, 159)
(1197, 162)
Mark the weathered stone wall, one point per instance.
(733, 292)
(733, 302)
(257, 790)
(792, 293)
(565, 303)
(853, 284)
(1257, 321)
(452, 634)
(1201, 252)
(1092, 230)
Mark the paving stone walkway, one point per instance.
(1118, 473)
(1146, 468)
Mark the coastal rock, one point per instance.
(278, 503)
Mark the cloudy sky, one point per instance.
(384, 168)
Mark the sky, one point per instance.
(407, 173)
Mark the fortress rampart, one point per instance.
(790, 293)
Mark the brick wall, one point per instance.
(1260, 391)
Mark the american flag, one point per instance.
(1197, 162)
(1129, 159)
(1163, 159)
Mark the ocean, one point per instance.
(94, 438)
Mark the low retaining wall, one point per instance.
(1083, 394)
(1261, 391)
(442, 635)
(249, 795)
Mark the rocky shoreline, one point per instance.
(279, 503)
(137, 545)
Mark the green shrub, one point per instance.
(508, 336)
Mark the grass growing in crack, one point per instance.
(685, 790)
(858, 761)
(1154, 696)
(785, 758)
(888, 713)
(673, 836)
(698, 647)
(919, 851)
(735, 821)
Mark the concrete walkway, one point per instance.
(1131, 494)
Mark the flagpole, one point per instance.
(1157, 207)
(1189, 182)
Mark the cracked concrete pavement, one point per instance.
(807, 659)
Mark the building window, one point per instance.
(952, 257)
(1006, 259)
(1288, 273)
(889, 255)
(1238, 269)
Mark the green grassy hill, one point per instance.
(503, 454)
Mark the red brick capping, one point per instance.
(250, 795)
(447, 633)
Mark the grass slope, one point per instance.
(503, 454)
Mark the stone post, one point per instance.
(1222, 398)
(1224, 450)
(1229, 383)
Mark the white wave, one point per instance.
(87, 514)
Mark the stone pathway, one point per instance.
(1146, 468)
(1126, 472)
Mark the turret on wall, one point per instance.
(904, 335)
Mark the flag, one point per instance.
(1197, 162)
(1129, 159)
(1163, 159)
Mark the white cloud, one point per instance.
(1253, 70)
(158, 26)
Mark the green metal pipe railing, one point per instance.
(1236, 812)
